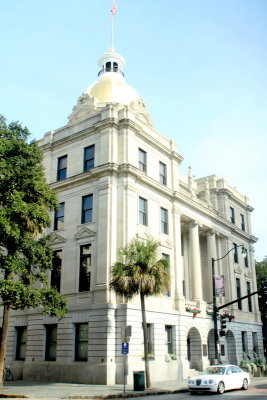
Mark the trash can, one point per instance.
(139, 380)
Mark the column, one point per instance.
(196, 275)
(211, 246)
(178, 262)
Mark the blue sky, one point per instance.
(200, 66)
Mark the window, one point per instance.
(164, 220)
(246, 258)
(51, 343)
(243, 225)
(56, 270)
(81, 342)
(85, 268)
(222, 350)
(87, 208)
(59, 217)
(235, 253)
(162, 173)
(150, 344)
(244, 341)
(142, 160)
(238, 293)
(249, 298)
(21, 342)
(169, 335)
(142, 211)
(62, 168)
(167, 257)
(255, 342)
(232, 215)
(89, 157)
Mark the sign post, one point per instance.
(124, 351)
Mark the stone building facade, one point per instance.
(116, 178)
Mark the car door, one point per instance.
(230, 378)
(238, 375)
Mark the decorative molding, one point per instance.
(85, 107)
(84, 232)
(248, 274)
(139, 108)
(57, 238)
(238, 270)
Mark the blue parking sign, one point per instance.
(124, 348)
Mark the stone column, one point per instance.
(196, 275)
(178, 261)
(212, 253)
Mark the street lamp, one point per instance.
(216, 337)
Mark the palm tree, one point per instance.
(139, 272)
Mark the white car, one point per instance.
(218, 378)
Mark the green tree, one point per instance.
(139, 272)
(25, 199)
(261, 273)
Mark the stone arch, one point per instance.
(194, 349)
(231, 347)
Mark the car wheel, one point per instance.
(220, 388)
(245, 384)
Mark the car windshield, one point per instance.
(214, 371)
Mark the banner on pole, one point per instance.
(219, 285)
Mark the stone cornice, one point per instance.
(126, 123)
(237, 201)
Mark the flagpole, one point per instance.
(112, 33)
(113, 11)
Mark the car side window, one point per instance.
(236, 369)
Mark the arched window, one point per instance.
(115, 67)
(108, 66)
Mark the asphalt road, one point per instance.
(257, 392)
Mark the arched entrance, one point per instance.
(231, 347)
(211, 346)
(194, 350)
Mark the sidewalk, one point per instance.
(55, 391)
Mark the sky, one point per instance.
(200, 66)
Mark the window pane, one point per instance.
(169, 339)
(81, 342)
(142, 211)
(51, 342)
(164, 220)
(56, 271)
(21, 342)
(59, 217)
(162, 173)
(249, 298)
(85, 268)
(87, 209)
(142, 160)
(89, 157)
(238, 293)
(232, 215)
(62, 168)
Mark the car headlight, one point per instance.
(191, 382)
(211, 381)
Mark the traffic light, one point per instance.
(223, 322)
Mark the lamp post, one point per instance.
(215, 324)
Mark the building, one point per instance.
(117, 177)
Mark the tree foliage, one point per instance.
(25, 199)
(261, 273)
(138, 271)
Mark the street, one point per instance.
(257, 392)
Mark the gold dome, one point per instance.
(110, 89)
